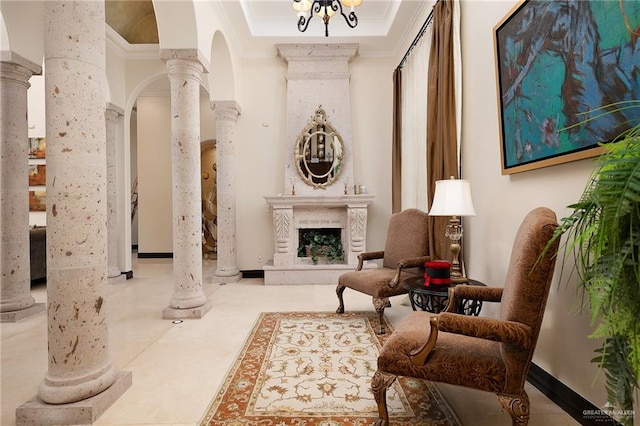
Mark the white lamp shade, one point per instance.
(301, 6)
(452, 198)
(351, 3)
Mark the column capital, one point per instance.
(113, 112)
(15, 68)
(191, 55)
(226, 110)
(184, 69)
(11, 57)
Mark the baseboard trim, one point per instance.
(155, 255)
(583, 411)
(254, 273)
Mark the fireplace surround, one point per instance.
(348, 213)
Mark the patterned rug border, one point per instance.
(449, 417)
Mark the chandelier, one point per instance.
(325, 9)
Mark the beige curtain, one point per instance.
(396, 149)
(413, 130)
(442, 150)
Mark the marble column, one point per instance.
(226, 113)
(188, 300)
(112, 114)
(80, 370)
(16, 301)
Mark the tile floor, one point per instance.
(177, 369)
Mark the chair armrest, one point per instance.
(511, 332)
(371, 255)
(420, 356)
(411, 262)
(472, 292)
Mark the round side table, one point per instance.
(434, 298)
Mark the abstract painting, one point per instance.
(561, 66)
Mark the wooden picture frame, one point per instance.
(558, 63)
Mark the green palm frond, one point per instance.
(620, 381)
(603, 235)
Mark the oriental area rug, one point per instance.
(315, 369)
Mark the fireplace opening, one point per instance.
(321, 243)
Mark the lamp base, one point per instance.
(454, 232)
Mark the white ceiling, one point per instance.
(383, 25)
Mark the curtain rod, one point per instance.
(415, 41)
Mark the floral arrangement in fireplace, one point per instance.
(316, 243)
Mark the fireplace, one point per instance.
(344, 216)
(318, 118)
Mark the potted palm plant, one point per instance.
(603, 236)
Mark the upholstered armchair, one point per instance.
(489, 354)
(406, 249)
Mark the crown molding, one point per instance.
(130, 51)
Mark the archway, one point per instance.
(209, 173)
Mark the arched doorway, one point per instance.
(209, 176)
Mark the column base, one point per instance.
(85, 412)
(189, 313)
(117, 279)
(113, 272)
(226, 278)
(16, 316)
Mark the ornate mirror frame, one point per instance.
(319, 152)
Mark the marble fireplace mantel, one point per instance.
(348, 213)
(320, 200)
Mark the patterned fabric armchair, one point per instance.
(489, 354)
(406, 249)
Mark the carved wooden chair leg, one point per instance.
(379, 385)
(339, 290)
(517, 406)
(380, 303)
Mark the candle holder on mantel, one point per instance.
(453, 198)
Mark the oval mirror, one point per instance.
(319, 152)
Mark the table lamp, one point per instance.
(453, 198)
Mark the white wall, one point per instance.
(371, 102)
(155, 212)
(502, 201)
(261, 146)
(259, 150)
(155, 224)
